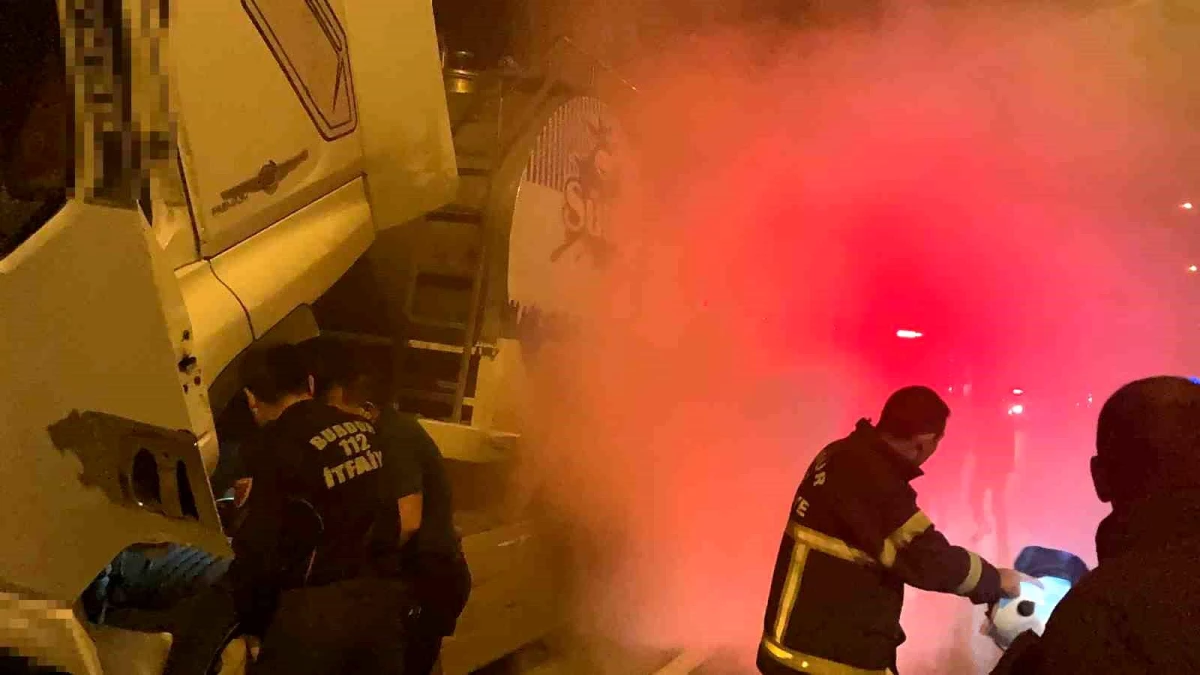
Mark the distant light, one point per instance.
(1193, 268)
(1018, 392)
(1016, 409)
(1187, 206)
(1195, 380)
(908, 334)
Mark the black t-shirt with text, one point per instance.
(332, 460)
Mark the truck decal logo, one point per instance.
(312, 51)
(267, 181)
(589, 193)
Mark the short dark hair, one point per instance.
(913, 411)
(1148, 436)
(334, 364)
(271, 373)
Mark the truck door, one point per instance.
(267, 108)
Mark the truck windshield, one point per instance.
(35, 113)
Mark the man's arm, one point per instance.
(402, 447)
(410, 507)
(920, 555)
(886, 522)
(255, 547)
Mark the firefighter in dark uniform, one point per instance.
(428, 550)
(311, 578)
(855, 537)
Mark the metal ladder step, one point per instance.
(457, 214)
(435, 396)
(480, 349)
(359, 338)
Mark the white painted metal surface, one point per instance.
(403, 121)
(220, 327)
(101, 326)
(240, 112)
(296, 260)
(561, 238)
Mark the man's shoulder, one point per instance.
(854, 449)
(307, 412)
(315, 426)
(1141, 576)
(1113, 588)
(316, 415)
(1133, 610)
(392, 420)
(403, 428)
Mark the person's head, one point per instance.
(913, 423)
(274, 378)
(341, 379)
(1148, 440)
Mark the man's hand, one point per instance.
(241, 491)
(1011, 580)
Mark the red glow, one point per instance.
(798, 206)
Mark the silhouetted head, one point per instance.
(342, 379)
(274, 378)
(1148, 440)
(913, 422)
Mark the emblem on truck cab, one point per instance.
(266, 181)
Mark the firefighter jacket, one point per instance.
(1136, 612)
(854, 538)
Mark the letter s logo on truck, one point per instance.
(589, 193)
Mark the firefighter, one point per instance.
(1136, 612)
(855, 537)
(428, 549)
(316, 490)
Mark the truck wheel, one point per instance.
(161, 581)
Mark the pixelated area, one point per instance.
(42, 636)
(117, 78)
(12, 663)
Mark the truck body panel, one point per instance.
(220, 325)
(403, 122)
(296, 260)
(93, 306)
(252, 151)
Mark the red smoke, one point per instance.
(995, 185)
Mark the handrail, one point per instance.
(565, 41)
(553, 75)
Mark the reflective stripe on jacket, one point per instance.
(854, 537)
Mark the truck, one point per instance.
(184, 180)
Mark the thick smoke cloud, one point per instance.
(1005, 182)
